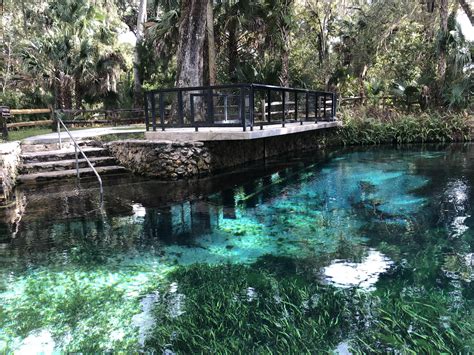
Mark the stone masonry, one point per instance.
(165, 160)
(9, 161)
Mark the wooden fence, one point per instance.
(73, 118)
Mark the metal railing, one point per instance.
(77, 149)
(236, 105)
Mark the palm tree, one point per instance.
(79, 39)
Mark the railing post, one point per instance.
(242, 107)
(296, 106)
(251, 106)
(306, 107)
(77, 161)
(193, 121)
(316, 107)
(4, 114)
(53, 118)
(153, 111)
(180, 108)
(226, 116)
(269, 106)
(324, 106)
(147, 120)
(210, 106)
(58, 128)
(162, 111)
(283, 107)
(334, 105)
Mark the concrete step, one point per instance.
(71, 173)
(63, 154)
(44, 166)
(31, 147)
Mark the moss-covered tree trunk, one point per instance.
(191, 46)
(211, 44)
(232, 51)
(137, 82)
(442, 61)
(192, 34)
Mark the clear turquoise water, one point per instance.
(384, 223)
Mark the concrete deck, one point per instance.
(236, 133)
(82, 134)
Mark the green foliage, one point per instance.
(369, 126)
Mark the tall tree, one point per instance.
(442, 48)
(211, 43)
(192, 33)
(467, 9)
(137, 82)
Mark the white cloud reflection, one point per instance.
(365, 274)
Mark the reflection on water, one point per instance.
(364, 274)
(376, 219)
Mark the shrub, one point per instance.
(371, 126)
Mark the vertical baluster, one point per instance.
(306, 107)
(153, 111)
(283, 107)
(251, 106)
(242, 108)
(210, 106)
(162, 111)
(180, 108)
(147, 121)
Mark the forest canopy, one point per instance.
(71, 53)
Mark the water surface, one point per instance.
(357, 250)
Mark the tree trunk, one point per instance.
(65, 91)
(211, 44)
(137, 83)
(232, 51)
(192, 31)
(285, 59)
(78, 94)
(190, 61)
(285, 46)
(467, 9)
(443, 12)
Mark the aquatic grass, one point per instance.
(258, 309)
(82, 310)
(417, 323)
(238, 309)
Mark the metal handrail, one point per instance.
(318, 106)
(76, 148)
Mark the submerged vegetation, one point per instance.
(369, 251)
(270, 308)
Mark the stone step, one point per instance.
(64, 154)
(71, 173)
(32, 168)
(31, 147)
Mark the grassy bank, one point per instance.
(367, 125)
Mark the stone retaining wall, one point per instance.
(168, 160)
(9, 161)
(226, 154)
(162, 159)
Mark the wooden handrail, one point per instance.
(29, 111)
